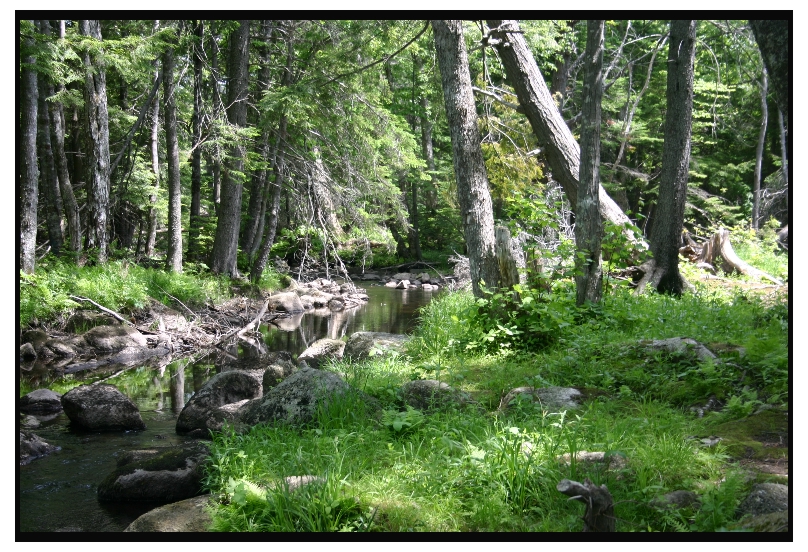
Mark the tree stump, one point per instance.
(599, 514)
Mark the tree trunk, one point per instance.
(588, 225)
(194, 225)
(225, 243)
(431, 195)
(48, 182)
(95, 100)
(216, 192)
(174, 249)
(784, 157)
(764, 121)
(561, 149)
(29, 171)
(772, 37)
(472, 180)
(151, 237)
(666, 230)
(599, 513)
(717, 252)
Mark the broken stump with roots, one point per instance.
(599, 514)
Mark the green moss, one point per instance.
(745, 438)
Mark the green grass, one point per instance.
(475, 469)
(118, 285)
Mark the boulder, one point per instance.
(32, 447)
(296, 399)
(320, 299)
(403, 284)
(429, 395)
(369, 276)
(362, 345)
(552, 399)
(29, 422)
(61, 348)
(307, 301)
(285, 302)
(112, 339)
(765, 498)
(321, 350)
(403, 276)
(277, 372)
(583, 457)
(675, 500)
(391, 284)
(101, 407)
(210, 407)
(336, 304)
(186, 516)
(164, 476)
(83, 320)
(36, 338)
(42, 401)
(27, 351)
(682, 345)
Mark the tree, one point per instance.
(472, 182)
(666, 233)
(174, 253)
(561, 150)
(29, 170)
(97, 122)
(194, 222)
(588, 226)
(764, 120)
(225, 244)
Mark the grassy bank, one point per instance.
(476, 469)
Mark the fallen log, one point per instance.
(102, 308)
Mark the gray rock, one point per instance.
(765, 498)
(29, 422)
(360, 344)
(320, 299)
(774, 522)
(321, 350)
(27, 351)
(101, 407)
(285, 302)
(296, 399)
(336, 304)
(83, 320)
(369, 276)
(550, 398)
(32, 447)
(191, 515)
(682, 345)
(391, 284)
(403, 284)
(36, 338)
(210, 407)
(675, 500)
(403, 276)
(112, 339)
(171, 475)
(277, 372)
(61, 348)
(429, 395)
(42, 401)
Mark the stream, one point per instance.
(58, 492)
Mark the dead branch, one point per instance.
(599, 514)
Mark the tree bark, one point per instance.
(29, 171)
(194, 225)
(97, 119)
(225, 243)
(472, 180)
(784, 156)
(588, 225)
(151, 236)
(560, 148)
(48, 181)
(772, 37)
(764, 121)
(174, 249)
(666, 230)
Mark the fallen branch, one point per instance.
(102, 308)
(192, 313)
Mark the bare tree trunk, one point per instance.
(29, 171)
(666, 230)
(217, 105)
(473, 194)
(225, 243)
(764, 121)
(588, 225)
(174, 250)
(95, 99)
(151, 236)
(196, 157)
(784, 157)
(561, 150)
(48, 182)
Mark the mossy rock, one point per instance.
(756, 436)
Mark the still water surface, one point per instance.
(58, 492)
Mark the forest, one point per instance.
(578, 191)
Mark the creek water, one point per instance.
(59, 492)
